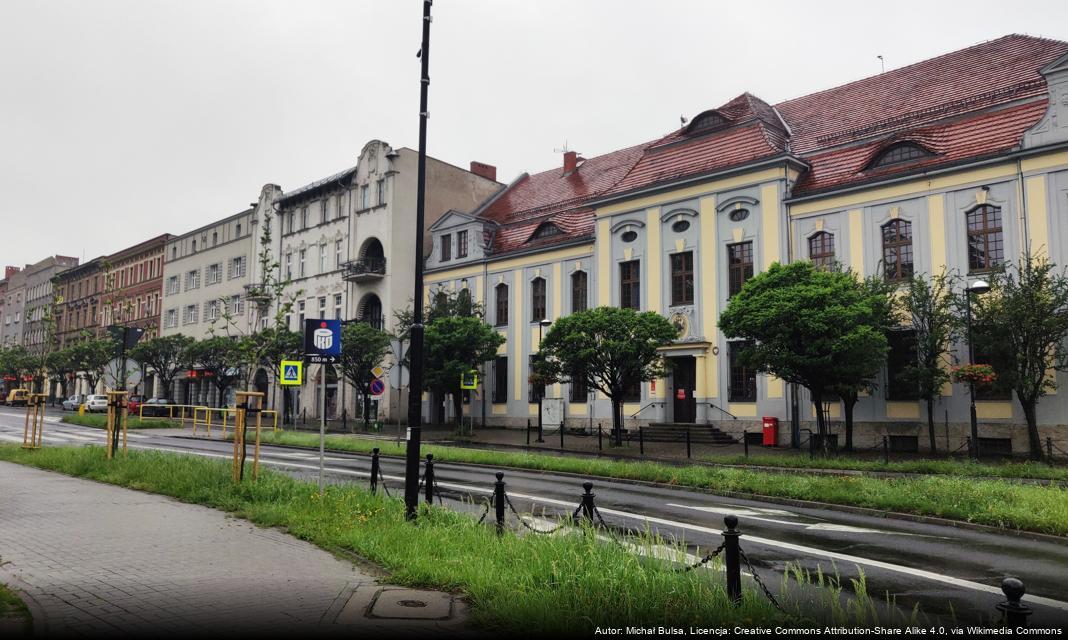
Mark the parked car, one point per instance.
(133, 403)
(17, 397)
(72, 403)
(156, 408)
(96, 403)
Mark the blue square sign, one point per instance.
(322, 340)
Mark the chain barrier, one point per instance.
(604, 525)
(526, 524)
(760, 583)
(485, 512)
(705, 560)
(382, 479)
(960, 448)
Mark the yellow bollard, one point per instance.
(245, 405)
(81, 409)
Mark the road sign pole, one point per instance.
(322, 422)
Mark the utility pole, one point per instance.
(415, 384)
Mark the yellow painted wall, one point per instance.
(604, 262)
(903, 410)
(707, 372)
(834, 410)
(500, 409)
(558, 291)
(654, 260)
(936, 221)
(743, 409)
(856, 239)
(755, 177)
(576, 409)
(776, 387)
(1037, 220)
(1044, 161)
(559, 255)
(769, 207)
(993, 410)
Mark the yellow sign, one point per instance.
(469, 380)
(377, 372)
(291, 372)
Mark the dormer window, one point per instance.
(706, 121)
(546, 230)
(900, 153)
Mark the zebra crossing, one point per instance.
(60, 433)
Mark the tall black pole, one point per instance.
(415, 383)
(974, 453)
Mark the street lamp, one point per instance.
(542, 324)
(978, 287)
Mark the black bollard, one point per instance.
(345, 418)
(561, 436)
(304, 416)
(1015, 612)
(641, 442)
(374, 470)
(745, 441)
(429, 478)
(1049, 451)
(687, 443)
(540, 438)
(587, 502)
(528, 433)
(600, 444)
(886, 450)
(732, 559)
(498, 502)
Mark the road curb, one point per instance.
(791, 502)
(38, 617)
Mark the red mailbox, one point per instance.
(771, 431)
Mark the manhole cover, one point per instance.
(411, 604)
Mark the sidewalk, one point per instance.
(91, 559)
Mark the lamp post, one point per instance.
(978, 287)
(544, 322)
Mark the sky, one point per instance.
(124, 119)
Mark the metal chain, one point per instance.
(485, 512)
(705, 560)
(760, 582)
(605, 526)
(966, 443)
(382, 480)
(527, 524)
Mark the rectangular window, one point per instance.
(304, 217)
(743, 379)
(364, 200)
(337, 306)
(303, 255)
(682, 278)
(173, 285)
(322, 308)
(579, 391)
(461, 244)
(986, 243)
(337, 254)
(290, 220)
(212, 309)
(739, 266)
(630, 285)
(340, 206)
(300, 316)
(236, 306)
(237, 267)
(323, 216)
(190, 314)
(902, 354)
(380, 187)
(289, 266)
(214, 273)
(579, 291)
(172, 318)
(192, 280)
(500, 380)
(446, 247)
(537, 299)
(502, 305)
(322, 258)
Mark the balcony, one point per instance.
(365, 269)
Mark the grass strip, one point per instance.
(132, 422)
(1015, 470)
(565, 584)
(991, 502)
(14, 614)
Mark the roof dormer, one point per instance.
(898, 153)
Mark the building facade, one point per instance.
(14, 305)
(39, 330)
(345, 246)
(949, 173)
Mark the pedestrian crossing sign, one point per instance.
(292, 372)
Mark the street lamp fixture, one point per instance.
(978, 287)
(543, 324)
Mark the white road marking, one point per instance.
(812, 551)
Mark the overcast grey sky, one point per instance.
(123, 119)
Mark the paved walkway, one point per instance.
(95, 559)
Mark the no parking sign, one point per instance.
(378, 387)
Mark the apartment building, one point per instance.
(14, 305)
(39, 328)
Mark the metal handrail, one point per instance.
(650, 404)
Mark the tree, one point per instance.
(928, 306)
(362, 348)
(813, 327)
(91, 356)
(221, 359)
(454, 346)
(1023, 321)
(16, 362)
(60, 364)
(166, 356)
(610, 349)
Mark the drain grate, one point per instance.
(411, 603)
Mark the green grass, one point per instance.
(13, 612)
(556, 584)
(957, 497)
(1014, 470)
(100, 421)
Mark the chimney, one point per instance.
(10, 271)
(487, 171)
(570, 161)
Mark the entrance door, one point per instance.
(684, 383)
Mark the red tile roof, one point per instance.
(965, 105)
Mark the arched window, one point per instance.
(986, 244)
(545, 230)
(579, 282)
(371, 311)
(537, 299)
(706, 121)
(897, 250)
(821, 250)
(502, 305)
(899, 154)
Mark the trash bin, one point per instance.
(771, 431)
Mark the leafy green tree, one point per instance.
(16, 362)
(610, 349)
(928, 306)
(1023, 322)
(60, 364)
(362, 348)
(221, 359)
(454, 346)
(91, 356)
(813, 327)
(167, 356)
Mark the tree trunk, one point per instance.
(850, 402)
(1034, 441)
(617, 421)
(821, 419)
(366, 393)
(930, 424)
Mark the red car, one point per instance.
(133, 404)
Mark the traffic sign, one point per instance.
(469, 379)
(377, 371)
(378, 387)
(322, 341)
(292, 372)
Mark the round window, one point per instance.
(739, 214)
(629, 236)
(680, 226)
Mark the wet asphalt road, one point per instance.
(944, 569)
